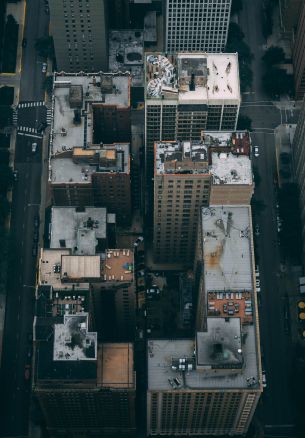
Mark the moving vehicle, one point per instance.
(15, 175)
(36, 220)
(34, 147)
(44, 67)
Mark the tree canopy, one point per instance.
(274, 55)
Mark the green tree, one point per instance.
(244, 122)
(235, 33)
(6, 116)
(237, 6)
(245, 76)
(277, 81)
(274, 55)
(45, 47)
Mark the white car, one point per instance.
(258, 283)
(44, 67)
(256, 152)
(34, 147)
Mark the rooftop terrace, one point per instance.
(78, 230)
(118, 265)
(74, 97)
(193, 78)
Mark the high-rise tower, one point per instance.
(197, 25)
(79, 30)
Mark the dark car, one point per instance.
(24, 42)
(30, 337)
(34, 251)
(27, 372)
(29, 353)
(36, 221)
(36, 235)
(15, 175)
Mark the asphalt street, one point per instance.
(276, 407)
(15, 388)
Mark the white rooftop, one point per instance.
(64, 170)
(65, 134)
(78, 230)
(227, 248)
(189, 152)
(227, 168)
(72, 341)
(215, 77)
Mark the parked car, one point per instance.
(34, 147)
(257, 233)
(30, 337)
(15, 175)
(256, 151)
(258, 283)
(36, 221)
(44, 67)
(34, 250)
(264, 379)
(140, 273)
(27, 372)
(35, 235)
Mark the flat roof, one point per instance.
(80, 267)
(78, 229)
(227, 304)
(181, 157)
(161, 354)
(227, 248)
(126, 53)
(78, 165)
(193, 78)
(73, 341)
(220, 345)
(65, 132)
(118, 265)
(228, 168)
(116, 365)
(50, 262)
(150, 27)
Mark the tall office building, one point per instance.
(210, 385)
(197, 25)
(298, 55)
(289, 14)
(189, 175)
(298, 155)
(188, 94)
(79, 30)
(84, 388)
(89, 142)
